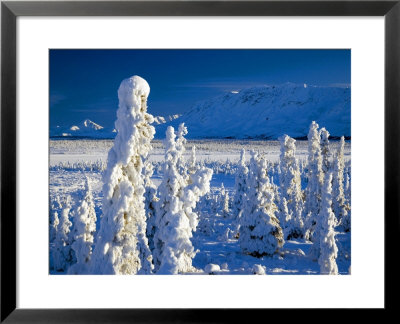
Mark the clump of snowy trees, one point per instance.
(176, 219)
(72, 235)
(83, 232)
(143, 229)
(310, 202)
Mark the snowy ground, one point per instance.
(71, 159)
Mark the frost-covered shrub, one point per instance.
(62, 255)
(290, 188)
(176, 219)
(85, 166)
(122, 245)
(315, 178)
(83, 232)
(327, 243)
(260, 232)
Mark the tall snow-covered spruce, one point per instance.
(241, 189)
(179, 193)
(260, 232)
(290, 187)
(83, 232)
(327, 244)
(122, 245)
(325, 150)
(315, 180)
(339, 204)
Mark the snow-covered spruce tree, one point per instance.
(150, 201)
(175, 219)
(327, 243)
(260, 233)
(290, 188)
(347, 187)
(225, 206)
(325, 150)
(241, 188)
(63, 255)
(53, 226)
(223, 202)
(346, 220)
(180, 147)
(192, 161)
(55, 208)
(83, 232)
(284, 218)
(315, 177)
(54, 220)
(339, 205)
(122, 245)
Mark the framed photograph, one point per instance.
(164, 158)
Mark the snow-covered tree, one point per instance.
(179, 192)
(260, 232)
(192, 161)
(241, 188)
(346, 219)
(315, 179)
(325, 150)
(54, 220)
(339, 205)
(290, 188)
(83, 232)
(63, 255)
(223, 202)
(284, 218)
(53, 226)
(225, 206)
(180, 147)
(327, 243)
(347, 187)
(122, 245)
(151, 199)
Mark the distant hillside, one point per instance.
(268, 112)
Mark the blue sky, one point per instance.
(84, 83)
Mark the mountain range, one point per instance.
(265, 112)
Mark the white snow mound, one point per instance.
(259, 269)
(211, 268)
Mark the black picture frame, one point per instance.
(10, 10)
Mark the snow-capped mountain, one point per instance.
(268, 112)
(87, 128)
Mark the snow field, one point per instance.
(72, 160)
